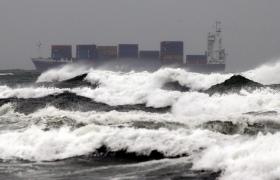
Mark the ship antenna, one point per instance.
(219, 31)
(218, 26)
(39, 46)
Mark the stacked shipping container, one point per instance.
(61, 52)
(107, 52)
(128, 51)
(149, 54)
(86, 52)
(172, 52)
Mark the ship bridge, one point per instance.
(215, 52)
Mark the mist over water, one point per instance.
(165, 124)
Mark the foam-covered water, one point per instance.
(130, 125)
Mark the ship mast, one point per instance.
(39, 47)
(215, 51)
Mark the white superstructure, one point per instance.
(215, 52)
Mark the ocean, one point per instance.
(76, 123)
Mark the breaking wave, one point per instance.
(27, 92)
(115, 130)
(265, 74)
(62, 73)
(241, 158)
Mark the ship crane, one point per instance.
(215, 52)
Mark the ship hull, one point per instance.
(46, 64)
(206, 68)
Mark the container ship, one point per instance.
(171, 53)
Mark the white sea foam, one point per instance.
(62, 73)
(104, 118)
(242, 159)
(117, 88)
(154, 79)
(266, 74)
(36, 144)
(27, 92)
(195, 104)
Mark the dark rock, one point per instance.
(234, 84)
(175, 86)
(77, 81)
(105, 152)
(77, 78)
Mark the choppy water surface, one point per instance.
(78, 123)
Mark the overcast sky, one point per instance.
(251, 28)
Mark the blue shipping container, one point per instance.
(149, 54)
(86, 52)
(128, 50)
(60, 52)
(172, 48)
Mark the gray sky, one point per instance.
(251, 27)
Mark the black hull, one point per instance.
(42, 65)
